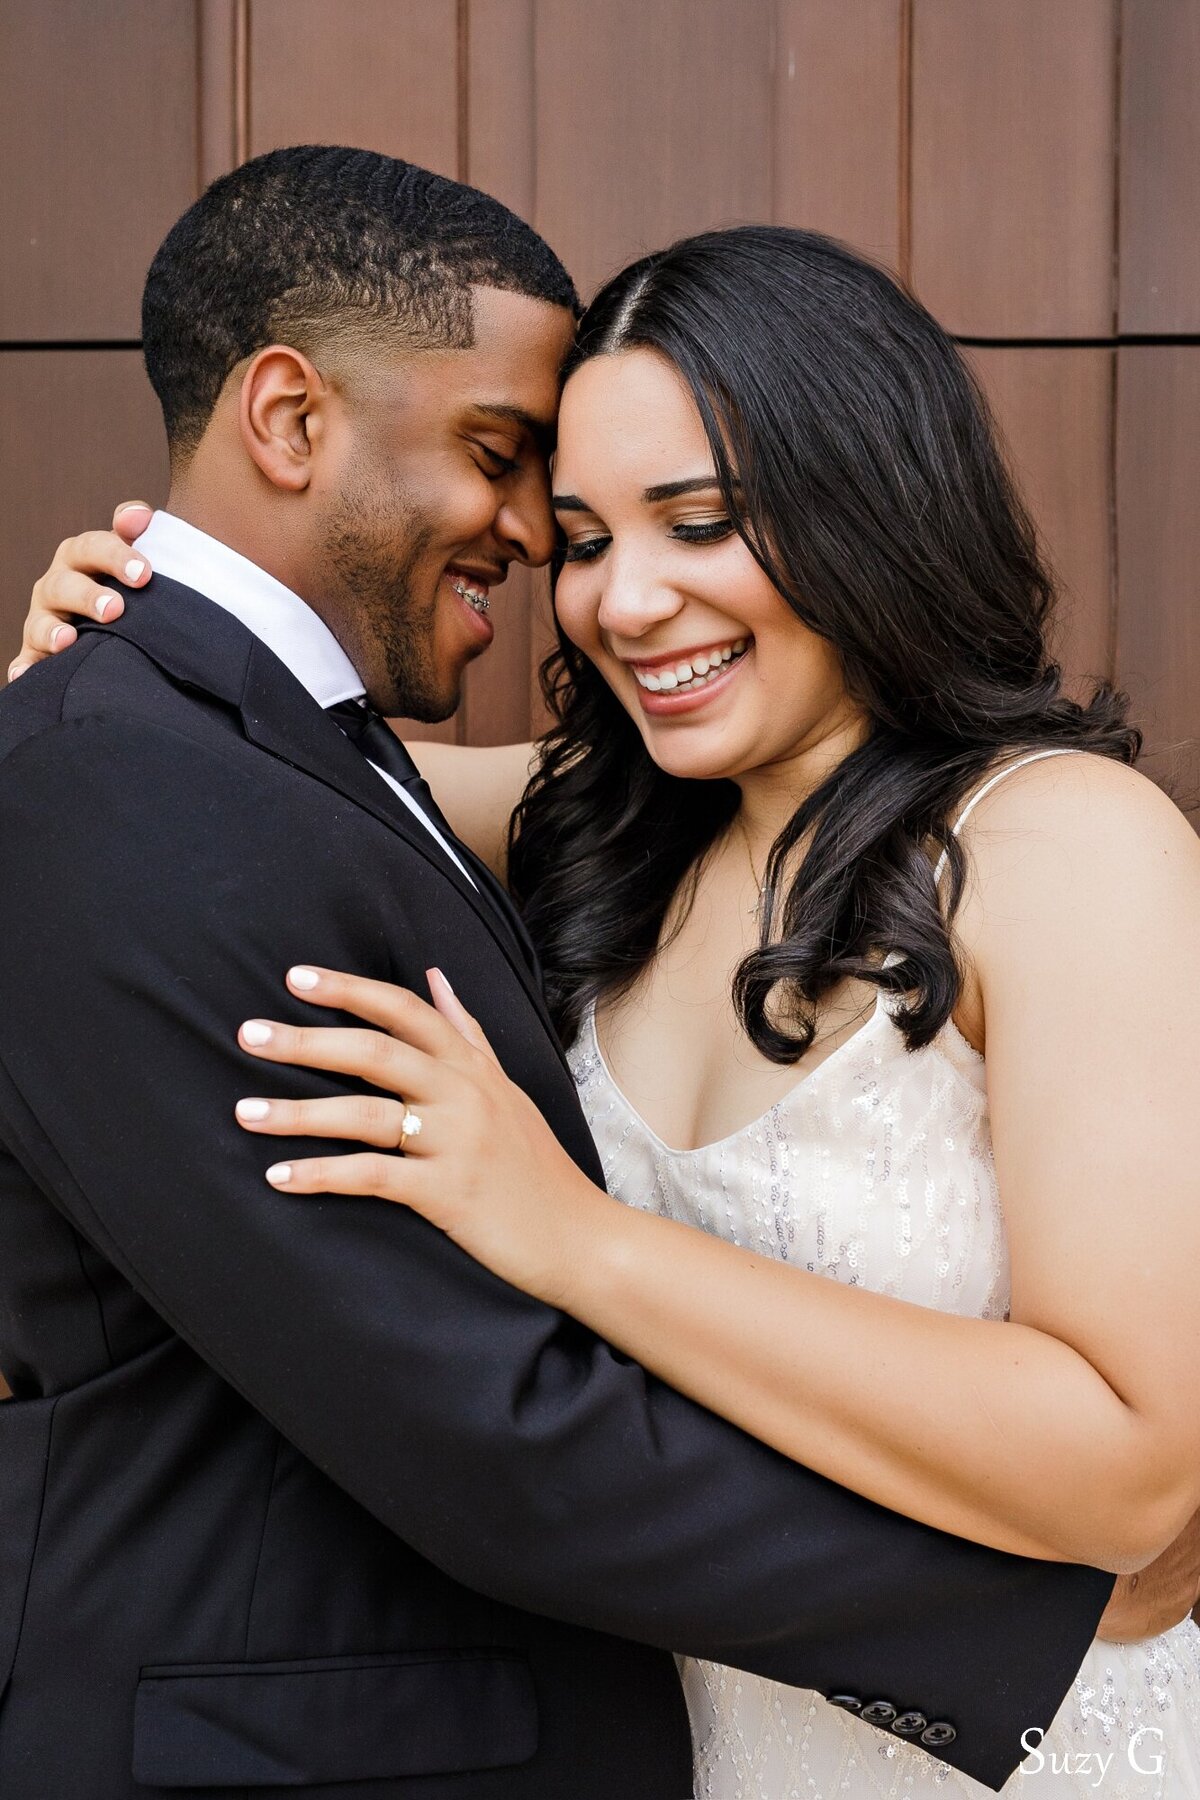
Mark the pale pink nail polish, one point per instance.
(256, 1033)
(133, 569)
(279, 1174)
(305, 979)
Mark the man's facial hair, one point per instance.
(375, 544)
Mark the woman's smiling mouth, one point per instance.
(679, 685)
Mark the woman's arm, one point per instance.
(1074, 1430)
(1071, 1432)
(477, 788)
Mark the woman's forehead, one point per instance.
(629, 413)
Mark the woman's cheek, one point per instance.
(578, 611)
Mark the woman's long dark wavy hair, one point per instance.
(856, 458)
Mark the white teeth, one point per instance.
(687, 675)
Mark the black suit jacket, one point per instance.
(293, 1494)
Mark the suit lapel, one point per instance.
(202, 646)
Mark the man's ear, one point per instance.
(279, 414)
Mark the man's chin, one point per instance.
(421, 708)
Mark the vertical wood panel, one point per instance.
(1054, 410)
(501, 124)
(98, 145)
(653, 120)
(1013, 120)
(82, 431)
(838, 121)
(217, 29)
(1160, 155)
(378, 74)
(1158, 555)
(501, 159)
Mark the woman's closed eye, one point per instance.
(707, 531)
(584, 549)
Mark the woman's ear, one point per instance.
(280, 399)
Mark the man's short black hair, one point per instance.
(317, 242)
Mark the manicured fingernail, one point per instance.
(253, 1109)
(444, 983)
(133, 569)
(13, 671)
(305, 979)
(56, 634)
(103, 604)
(279, 1174)
(255, 1032)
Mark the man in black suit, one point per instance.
(330, 1507)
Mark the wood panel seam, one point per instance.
(904, 149)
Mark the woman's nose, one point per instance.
(634, 601)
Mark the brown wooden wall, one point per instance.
(1028, 165)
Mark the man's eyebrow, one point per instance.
(542, 431)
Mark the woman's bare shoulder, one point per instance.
(478, 789)
(1080, 803)
(1080, 845)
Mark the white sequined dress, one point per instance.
(876, 1169)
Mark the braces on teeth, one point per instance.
(687, 675)
(474, 599)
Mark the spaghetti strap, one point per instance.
(980, 792)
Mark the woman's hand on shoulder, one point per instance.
(68, 589)
(451, 1136)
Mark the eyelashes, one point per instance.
(501, 465)
(711, 531)
(585, 549)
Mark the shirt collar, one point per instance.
(278, 617)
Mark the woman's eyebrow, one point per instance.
(671, 490)
(666, 490)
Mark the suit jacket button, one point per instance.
(910, 1724)
(938, 1735)
(879, 1712)
(847, 1702)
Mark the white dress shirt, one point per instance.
(281, 619)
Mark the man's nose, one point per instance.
(525, 524)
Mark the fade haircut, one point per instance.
(315, 243)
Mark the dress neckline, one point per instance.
(879, 1012)
(949, 1034)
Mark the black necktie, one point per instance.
(370, 733)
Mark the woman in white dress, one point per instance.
(877, 961)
